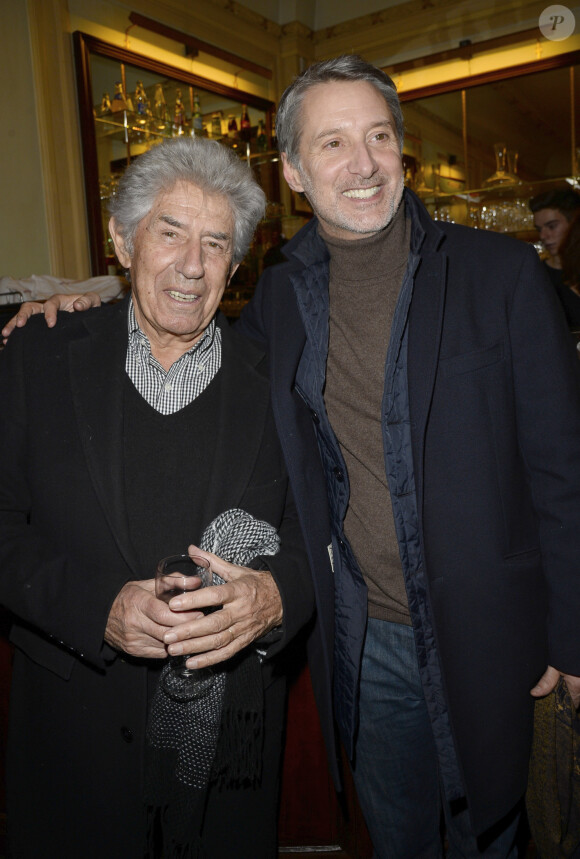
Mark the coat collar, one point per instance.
(308, 248)
(429, 261)
(426, 234)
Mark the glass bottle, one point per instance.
(178, 115)
(232, 126)
(245, 125)
(274, 142)
(500, 176)
(119, 101)
(262, 138)
(216, 125)
(196, 118)
(512, 164)
(141, 103)
(160, 108)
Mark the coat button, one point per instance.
(315, 417)
(127, 734)
(338, 474)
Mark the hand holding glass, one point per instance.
(176, 575)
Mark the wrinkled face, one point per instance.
(552, 226)
(350, 161)
(181, 264)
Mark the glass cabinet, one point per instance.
(478, 148)
(503, 207)
(129, 103)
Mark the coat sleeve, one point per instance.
(291, 572)
(45, 580)
(268, 496)
(546, 373)
(290, 567)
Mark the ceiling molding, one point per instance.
(297, 28)
(409, 29)
(254, 19)
(194, 45)
(465, 51)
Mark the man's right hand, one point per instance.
(138, 621)
(50, 308)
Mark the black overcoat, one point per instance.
(494, 394)
(78, 710)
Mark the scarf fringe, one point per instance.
(215, 740)
(238, 760)
(159, 843)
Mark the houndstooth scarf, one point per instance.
(212, 735)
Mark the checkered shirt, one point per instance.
(168, 392)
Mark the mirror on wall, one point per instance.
(476, 153)
(533, 114)
(129, 103)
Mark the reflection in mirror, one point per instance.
(452, 138)
(434, 139)
(532, 114)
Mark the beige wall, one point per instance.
(43, 227)
(23, 233)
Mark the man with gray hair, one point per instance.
(158, 421)
(414, 370)
(427, 399)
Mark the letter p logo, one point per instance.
(557, 23)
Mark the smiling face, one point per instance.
(552, 226)
(180, 266)
(350, 160)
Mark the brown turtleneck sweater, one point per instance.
(365, 279)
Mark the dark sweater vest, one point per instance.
(168, 463)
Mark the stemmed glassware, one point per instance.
(175, 575)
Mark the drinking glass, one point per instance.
(181, 574)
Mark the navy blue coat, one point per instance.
(494, 402)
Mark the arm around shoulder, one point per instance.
(50, 309)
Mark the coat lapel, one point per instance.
(425, 329)
(97, 371)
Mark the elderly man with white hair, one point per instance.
(129, 434)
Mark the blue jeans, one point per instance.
(395, 769)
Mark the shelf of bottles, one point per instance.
(135, 103)
(137, 121)
(130, 122)
(501, 204)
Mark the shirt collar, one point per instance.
(138, 340)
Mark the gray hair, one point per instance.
(348, 67)
(207, 164)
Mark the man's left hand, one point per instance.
(249, 606)
(50, 308)
(548, 680)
